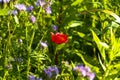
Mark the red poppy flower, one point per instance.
(59, 38)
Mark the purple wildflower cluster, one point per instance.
(20, 7)
(23, 7)
(85, 71)
(31, 77)
(45, 5)
(51, 71)
(5, 1)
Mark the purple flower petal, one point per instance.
(48, 10)
(32, 19)
(13, 12)
(20, 7)
(51, 71)
(5, 1)
(91, 75)
(30, 8)
(54, 27)
(40, 3)
(45, 5)
(85, 71)
(31, 77)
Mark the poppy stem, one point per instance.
(56, 58)
(60, 16)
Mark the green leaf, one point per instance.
(100, 61)
(81, 34)
(114, 24)
(104, 44)
(1, 68)
(77, 2)
(3, 12)
(117, 66)
(97, 31)
(112, 14)
(74, 24)
(100, 45)
(60, 46)
(117, 55)
(115, 45)
(117, 79)
(85, 62)
(16, 19)
(79, 78)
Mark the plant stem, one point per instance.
(28, 65)
(6, 51)
(60, 16)
(107, 70)
(28, 54)
(56, 58)
(18, 68)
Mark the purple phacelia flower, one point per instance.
(20, 7)
(51, 71)
(38, 78)
(30, 8)
(45, 5)
(40, 3)
(85, 71)
(5, 1)
(32, 19)
(48, 10)
(91, 75)
(12, 12)
(54, 27)
(31, 77)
